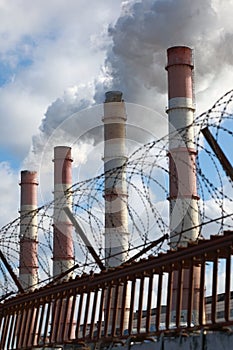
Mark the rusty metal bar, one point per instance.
(87, 304)
(214, 290)
(86, 241)
(191, 293)
(228, 285)
(123, 303)
(66, 308)
(159, 298)
(107, 310)
(62, 318)
(32, 321)
(5, 329)
(53, 303)
(79, 313)
(149, 300)
(179, 294)
(146, 249)
(131, 312)
(169, 297)
(22, 328)
(26, 340)
(99, 324)
(114, 312)
(11, 272)
(93, 314)
(18, 328)
(56, 320)
(140, 302)
(70, 328)
(47, 321)
(2, 319)
(25, 326)
(18, 324)
(205, 248)
(218, 152)
(11, 326)
(37, 308)
(202, 292)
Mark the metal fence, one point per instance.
(133, 299)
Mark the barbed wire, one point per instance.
(146, 173)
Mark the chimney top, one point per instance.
(113, 96)
(179, 55)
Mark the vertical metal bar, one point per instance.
(70, 328)
(107, 309)
(214, 290)
(5, 330)
(228, 285)
(22, 327)
(32, 322)
(53, 304)
(28, 326)
(123, 303)
(64, 321)
(99, 325)
(1, 325)
(37, 308)
(87, 304)
(131, 313)
(149, 300)
(18, 324)
(115, 311)
(190, 296)
(46, 322)
(169, 297)
(93, 314)
(140, 302)
(40, 336)
(79, 313)
(10, 342)
(11, 327)
(56, 320)
(179, 294)
(202, 292)
(159, 297)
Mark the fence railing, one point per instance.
(138, 298)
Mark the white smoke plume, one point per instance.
(136, 59)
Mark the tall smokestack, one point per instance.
(116, 214)
(184, 214)
(63, 254)
(116, 198)
(28, 259)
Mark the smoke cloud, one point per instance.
(136, 58)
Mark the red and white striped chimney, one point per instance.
(116, 197)
(63, 252)
(184, 213)
(182, 153)
(28, 259)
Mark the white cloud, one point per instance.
(9, 189)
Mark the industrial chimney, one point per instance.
(63, 253)
(184, 213)
(28, 260)
(115, 193)
(116, 199)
